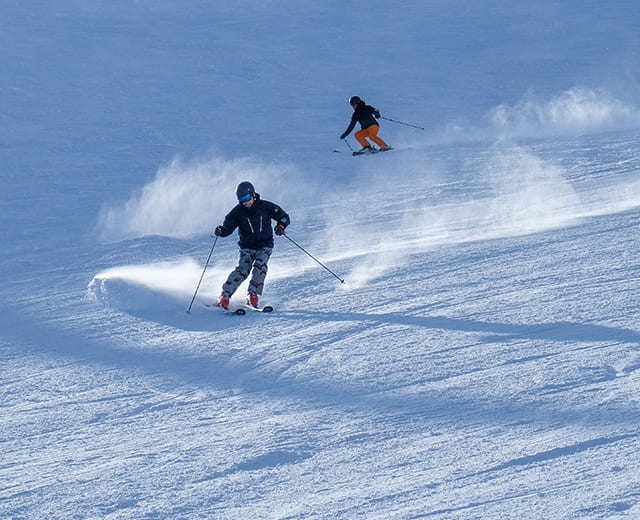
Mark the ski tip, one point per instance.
(240, 311)
(267, 308)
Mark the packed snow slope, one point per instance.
(482, 358)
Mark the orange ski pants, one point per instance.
(371, 133)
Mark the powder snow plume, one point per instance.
(574, 112)
(190, 198)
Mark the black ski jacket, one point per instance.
(363, 114)
(254, 223)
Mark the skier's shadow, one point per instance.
(495, 331)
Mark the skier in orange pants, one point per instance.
(366, 116)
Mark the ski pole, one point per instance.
(202, 276)
(345, 140)
(307, 252)
(400, 122)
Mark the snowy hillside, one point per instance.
(481, 359)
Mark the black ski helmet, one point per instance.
(354, 100)
(245, 188)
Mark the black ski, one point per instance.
(372, 151)
(266, 308)
(366, 152)
(240, 310)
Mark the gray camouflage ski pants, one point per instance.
(257, 258)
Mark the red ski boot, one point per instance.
(223, 300)
(252, 299)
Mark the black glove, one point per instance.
(279, 229)
(218, 231)
(343, 136)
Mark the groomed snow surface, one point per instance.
(482, 358)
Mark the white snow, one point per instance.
(482, 359)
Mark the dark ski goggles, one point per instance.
(245, 198)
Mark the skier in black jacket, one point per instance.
(366, 116)
(252, 216)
